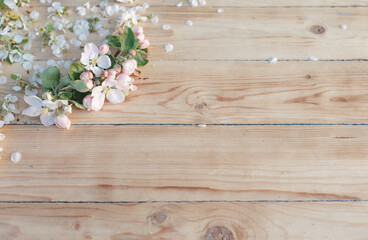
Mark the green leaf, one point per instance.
(75, 70)
(13, 76)
(113, 62)
(127, 39)
(140, 58)
(80, 86)
(78, 105)
(66, 80)
(136, 43)
(65, 95)
(24, 41)
(113, 41)
(50, 77)
(49, 27)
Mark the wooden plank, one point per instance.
(239, 92)
(181, 163)
(182, 221)
(232, 3)
(252, 33)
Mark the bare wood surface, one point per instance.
(183, 221)
(185, 163)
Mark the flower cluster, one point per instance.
(103, 72)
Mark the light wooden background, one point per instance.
(284, 155)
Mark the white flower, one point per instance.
(91, 59)
(81, 29)
(11, 4)
(34, 15)
(3, 80)
(45, 108)
(154, 19)
(108, 90)
(8, 118)
(18, 39)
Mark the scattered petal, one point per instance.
(220, 10)
(313, 58)
(3, 80)
(16, 157)
(166, 26)
(189, 23)
(168, 47)
(273, 60)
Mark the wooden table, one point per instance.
(283, 156)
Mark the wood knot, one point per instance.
(200, 107)
(75, 226)
(219, 233)
(318, 29)
(158, 218)
(308, 76)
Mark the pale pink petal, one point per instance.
(104, 62)
(34, 101)
(91, 50)
(98, 101)
(109, 83)
(115, 96)
(50, 104)
(84, 59)
(97, 71)
(32, 111)
(96, 90)
(48, 119)
(123, 82)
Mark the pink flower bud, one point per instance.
(111, 73)
(141, 38)
(137, 31)
(104, 74)
(136, 73)
(89, 83)
(117, 68)
(86, 76)
(133, 52)
(103, 49)
(129, 66)
(145, 44)
(123, 81)
(87, 102)
(62, 121)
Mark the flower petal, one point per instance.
(48, 119)
(115, 96)
(104, 62)
(50, 104)
(32, 111)
(97, 71)
(34, 101)
(98, 101)
(91, 50)
(84, 59)
(96, 90)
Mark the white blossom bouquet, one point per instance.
(103, 72)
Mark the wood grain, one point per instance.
(205, 221)
(185, 163)
(250, 33)
(239, 92)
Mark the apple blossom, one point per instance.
(62, 121)
(91, 59)
(129, 66)
(107, 90)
